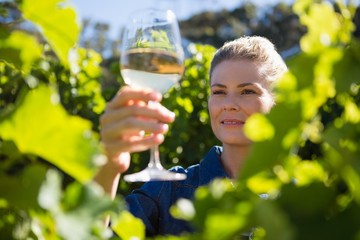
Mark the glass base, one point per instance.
(154, 174)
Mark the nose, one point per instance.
(230, 104)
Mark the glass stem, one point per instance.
(155, 158)
(154, 152)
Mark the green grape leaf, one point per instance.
(258, 128)
(320, 35)
(83, 210)
(347, 69)
(128, 227)
(79, 210)
(22, 190)
(20, 49)
(40, 126)
(278, 226)
(297, 65)
(57, 23)
(186, 104)
(266, 154)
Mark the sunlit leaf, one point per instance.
(307, 172)
(57, 21)
(258, 128)
(320, 35)
(261, 184)
(310, 103)
(41, 126)
(20, 49)
(128, 227)
(186, 104)
(222, 225)
(352, 112)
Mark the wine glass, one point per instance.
(152, 57)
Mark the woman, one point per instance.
(242, 73)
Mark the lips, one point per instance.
(232, 122)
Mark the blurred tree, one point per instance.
(215, 28)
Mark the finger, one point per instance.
(155, 112)
(113, 148)
(127, 94)
(133, 126)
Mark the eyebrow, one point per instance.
(241, 85)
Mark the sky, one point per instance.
(115, 12)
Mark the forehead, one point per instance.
(238, 71)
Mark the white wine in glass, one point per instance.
(152, 57)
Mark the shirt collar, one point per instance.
(211, 166)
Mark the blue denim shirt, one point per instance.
(152, 201)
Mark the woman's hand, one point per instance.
(127, 118)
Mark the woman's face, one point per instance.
(237, 90)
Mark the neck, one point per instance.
(233, 158)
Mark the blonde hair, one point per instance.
(256, 49)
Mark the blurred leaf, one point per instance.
(273, 220)
(84, 217)
(306, 172)
(258, 128)
(128, 227)
(57, 22)
(319, 35)
(183, 209)
(351, 111)
(220, 225)
(50, 193)
(352, 178)
(22, 190)
(259, 159)
(292, 199)
(41, 126)
(297, 64)
(185, 103)
(347, 70)
(20, 49)
(261, 184)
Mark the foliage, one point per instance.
(300, 182)
(305, 163)
(49, 109)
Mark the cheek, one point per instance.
(214, 111)
(259, 105)
(212, 108)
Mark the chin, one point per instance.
(236, 141)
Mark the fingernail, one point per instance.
(172, 114)
(165, 127)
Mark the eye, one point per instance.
(218, 92)
(248, 91)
